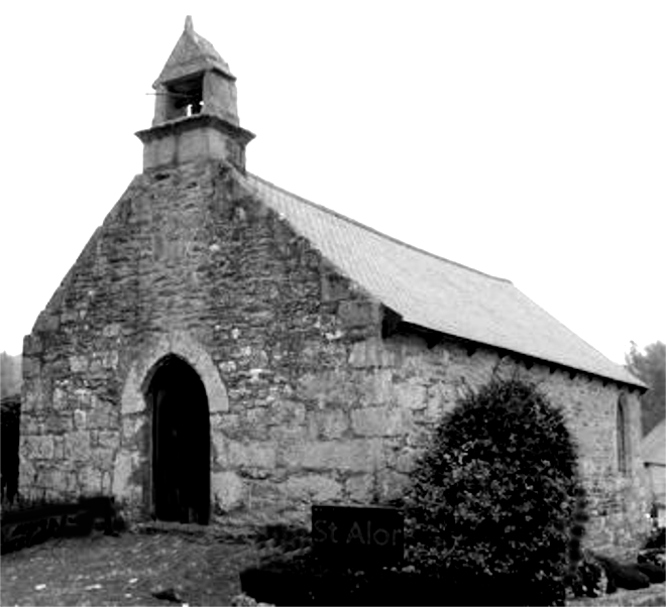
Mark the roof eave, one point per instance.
(635, 383)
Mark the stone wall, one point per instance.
(311, 396)
(432, 379)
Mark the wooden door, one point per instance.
(181, 444)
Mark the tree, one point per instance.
(10, 375)
(650, 367)
(494, 496)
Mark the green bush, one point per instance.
(494, 496)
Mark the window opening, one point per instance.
(622, 432)
(185, 97)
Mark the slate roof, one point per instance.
(436, 293)
(653, 446)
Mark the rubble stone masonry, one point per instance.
(310, 398)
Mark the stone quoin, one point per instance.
(222, 347)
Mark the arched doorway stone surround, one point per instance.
(131, 473)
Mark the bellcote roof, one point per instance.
(192, 54)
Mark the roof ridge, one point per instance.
(377, 232)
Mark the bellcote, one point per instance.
(196, 116)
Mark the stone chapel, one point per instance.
(223, 347)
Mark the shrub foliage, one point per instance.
(494, 495)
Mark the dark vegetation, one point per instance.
(26, 523)
(650, 367)
(622, 575)
(494, 499)
(588, 578)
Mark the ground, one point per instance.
(126, 570)
(654, 596)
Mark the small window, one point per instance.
(623, 436)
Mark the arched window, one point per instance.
(623, 436)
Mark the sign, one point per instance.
(348, 535)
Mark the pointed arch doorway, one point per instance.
(180, 443)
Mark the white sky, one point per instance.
(524, 139)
